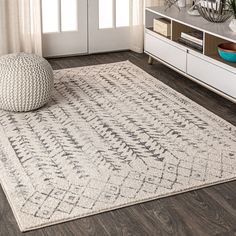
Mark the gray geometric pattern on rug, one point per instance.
(111, 136)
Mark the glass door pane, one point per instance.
(50, 16)
(65, 27)
(105, 14)
(69, 20)
(122, 13)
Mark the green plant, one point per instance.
(232, 6)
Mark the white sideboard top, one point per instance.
(221, 30)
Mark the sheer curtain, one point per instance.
(20, 26)
(137, 22)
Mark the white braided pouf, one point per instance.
(26, 82)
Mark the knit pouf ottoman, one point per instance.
(26, 82)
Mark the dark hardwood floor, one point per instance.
(208, 211)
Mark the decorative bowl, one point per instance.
(216, 12)
(227, 51)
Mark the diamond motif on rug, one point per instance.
(111, 136)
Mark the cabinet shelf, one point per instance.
(187, 60)
(151, 29)
(189, 46)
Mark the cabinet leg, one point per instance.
(150, 60)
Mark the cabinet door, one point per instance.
(165, 51)
(213, 75)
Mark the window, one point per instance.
(105, 14)
(122, 13)
(114, 13)
(59, 15)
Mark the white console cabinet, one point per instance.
(206, 67)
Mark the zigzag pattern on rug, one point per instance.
(111, 136)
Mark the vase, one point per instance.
(232, 25)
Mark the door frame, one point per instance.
(109, 39)
(93, 40)
(55, 44)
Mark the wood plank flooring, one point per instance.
(205, 212)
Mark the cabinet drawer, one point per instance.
(212, 75)
(165, 51)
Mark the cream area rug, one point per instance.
(112, 136)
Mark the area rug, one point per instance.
(111, 136)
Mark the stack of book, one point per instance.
(192, 39)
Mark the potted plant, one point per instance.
(232, 7)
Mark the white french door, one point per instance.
(64, 27)
(109, 22)
(72, 27)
